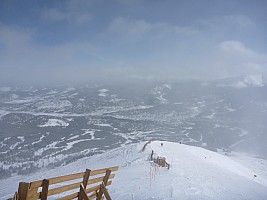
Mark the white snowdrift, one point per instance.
(54, 122)
(195, 173)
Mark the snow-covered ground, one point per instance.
(54, 122)
(195, 173)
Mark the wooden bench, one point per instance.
(87, 185)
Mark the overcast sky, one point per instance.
(80, 40)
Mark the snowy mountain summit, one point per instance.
(195, 173)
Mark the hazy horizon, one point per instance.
(75, 41)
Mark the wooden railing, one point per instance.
(87, 185)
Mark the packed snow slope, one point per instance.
(195, 173)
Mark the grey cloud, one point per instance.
(239, 59)
(13, 38)
(55, 15)
(238, 50)
(138, 28)
(240, 20)
(227, 21)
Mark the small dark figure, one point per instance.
(151, 156)
(162, 144)
(180, 142)
(254, 176)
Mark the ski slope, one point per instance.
(195, 173)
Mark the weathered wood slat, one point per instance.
(30, 190)
(92, 189)
(57, 179)
(70, 177)
(92, 196)
(68, 187)
(33, 195)
(89, 190)
(99, 179)
(75, 185)
(71, 196)
(74, 195)
(102, 171)
(63, 188)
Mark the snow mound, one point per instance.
(103, 92)
(54, 104)
(54, 122)
(250, 81)
(195, 173)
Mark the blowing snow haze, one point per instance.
(79, 78)
(80, 41)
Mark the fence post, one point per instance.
(104, 190)
(23, 190)
(44, 193)
(82, 193)
(85, 181)
(86, 177)
(105, 181)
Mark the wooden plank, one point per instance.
(23, 190)
(32, 192)
(88, 190)
(58, 179)
(99, 179)
(71, 196)
(82, 193)
(102, 171)
(63, 188)
(74, 195)
(92, 189)
(44, 192)
(92, 196)
(70, 177)
(75, 185)
(33, 195)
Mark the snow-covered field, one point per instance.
(195, 173)
(49, 127)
